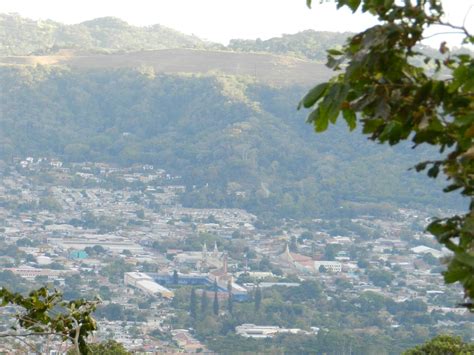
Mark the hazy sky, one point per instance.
(216, 20)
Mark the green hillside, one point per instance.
(239, 143)
(22, 36)
(308, 44)
(223, 118)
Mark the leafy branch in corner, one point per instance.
(44, 312)
(378, 86)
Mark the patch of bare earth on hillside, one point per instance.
(267, 68)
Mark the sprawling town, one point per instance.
(121, 236)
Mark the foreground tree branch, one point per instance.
(377, 86)
(45, 313)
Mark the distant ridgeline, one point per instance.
(22, 36)
(235, 136)
(307, 44)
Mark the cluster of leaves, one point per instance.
(110, 347)
(394, 100)
(44, 313)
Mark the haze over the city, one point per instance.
(236, 177)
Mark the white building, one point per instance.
(113, 243)
(146, 284)
(331, 266)
(265, 331)
(30, 273)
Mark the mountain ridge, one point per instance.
(22, 36)
(111, 34)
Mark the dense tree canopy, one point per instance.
(22, 36)
(363, 322)
(234, 142)
(306, 44)
(109, 347)
(442, 344)
(378, 85)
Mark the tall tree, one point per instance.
(293, 245)
(193, 304)
(204, 303)
(382, 83)
(230, 300)
(258, 298)
(215, 305)
(442, 344)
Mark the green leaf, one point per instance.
(331, 105)
(321, 124)
(455, 273)
(433, 171)
(421, 166)
(452, 187)
(424, 92)
(313, 95)
(437, 228)
(350, 117)
(465, 258)
(370, 126)
(392, 132)
(334, 52)
(319, 121)
(352, 4)
(334, 63)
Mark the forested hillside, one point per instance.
(239, 143)
(22, 36)
(225, 121)
(308, 44)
